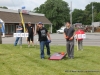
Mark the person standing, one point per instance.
(69, 33)
(44, 39)
(79, 40)
(19, 29)
(80, 44)
(30, 30)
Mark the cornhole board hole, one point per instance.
(57, 56)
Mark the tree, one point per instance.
(96, 10)
(97, 18)
(4, 7)
(85, 16)
(57, 11)
(36, 9)
(96, 6)
(78, 16)
(39, 9)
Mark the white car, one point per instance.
(61, 30)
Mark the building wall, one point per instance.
(96, 24)
(10, 28)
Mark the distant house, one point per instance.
(77, 25)
(12, 18)
(96, 24)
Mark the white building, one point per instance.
(96, 24)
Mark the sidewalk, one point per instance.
(96, 33)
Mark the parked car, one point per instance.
(61, 30)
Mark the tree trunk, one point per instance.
(0, 38)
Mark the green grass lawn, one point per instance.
(26, 61)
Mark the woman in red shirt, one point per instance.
(79, 39)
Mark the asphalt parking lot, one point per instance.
(92, 39)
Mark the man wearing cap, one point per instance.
(30, 30)
(44, 39)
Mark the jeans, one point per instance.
(80, 45)
(70, 49)
(16, 41)
(42, 44)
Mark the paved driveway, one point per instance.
(93, 39)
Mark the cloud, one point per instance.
(80, 4)
(31, 4)
(10, 3)
(16, 4)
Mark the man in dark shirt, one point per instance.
(44, 36)
(30, 30)
(69, 33)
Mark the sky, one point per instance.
(31, 4)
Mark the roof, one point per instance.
(12, 16)
(77, 24)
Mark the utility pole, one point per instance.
(71, 13)
(92, 18)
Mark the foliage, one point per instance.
(4, 7)
(57, 11)
(85, 16)
(78, 16)
(96, 10)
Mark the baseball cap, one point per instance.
(40, 23)
(29, 22)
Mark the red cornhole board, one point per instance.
(57, 56)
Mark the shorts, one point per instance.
(30, 38)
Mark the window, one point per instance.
(6, 28)
(12, 28)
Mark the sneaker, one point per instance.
(71, 58)
(28, 46)
(33, 45)
(42, 58)
(15, 44)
